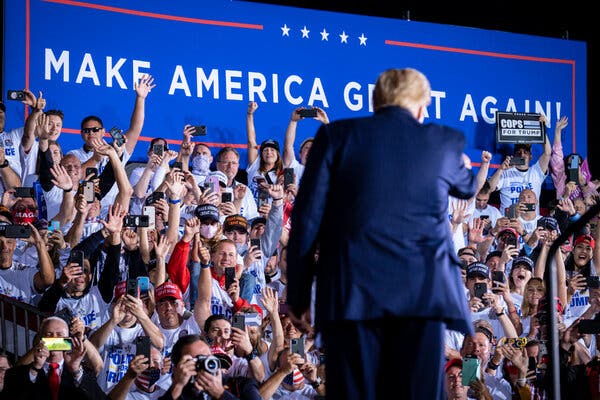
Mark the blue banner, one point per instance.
(210, 58)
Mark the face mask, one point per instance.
(241, 248)
(24, 217)
(294, 378)
(148, 378)
(208, 231)
(200, 164)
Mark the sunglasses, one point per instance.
(94, 129)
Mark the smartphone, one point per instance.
(132, 287)
(263, 198)
(593, 282)
(142, 346)
(238, 321)
(591, 326)
(532, 364)
(58, 344)
(484, 217)
(15, 231)
(24, 192)
(15, 95)
(255, 242)
(229, 276)
(498, 276)
(297, 345)
(212, 183)
(480, 289)
(530, 206)
(308, 112)
(150, 211)
(89, 192)
(511, 211)
(517, 343)
(177, 165)
(143, 283)
(471, 370)
(117, 135)
(288, 176)
(573, 175)
(517, 161)
(199, 130)
(93, 171)
(137, 220)
(77, 257)
(158, 149)
(226, 197)
(65, 314)
(154, 197)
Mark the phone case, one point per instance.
(229, 276)
(238, 321)
(142, 346)
(150, 211)
(133, 288)
(297, 346)
(471, 370)
(89, 192)
(143, 283)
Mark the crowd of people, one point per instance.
(169, 279)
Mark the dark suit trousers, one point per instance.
(367, 359)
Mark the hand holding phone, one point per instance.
(238, 321)
(229, 276)
(18, 95)
(308, 112)
(471, 370)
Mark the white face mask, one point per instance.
(208, 231)
(200, 164)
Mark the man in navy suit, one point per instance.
(33, 381)
(374, 201)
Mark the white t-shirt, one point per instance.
(117, 352)
(492, 212)
(91, 308)
(17, 282)
(512, 182)
(11, 141)
(252, 171)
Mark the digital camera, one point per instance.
(208, 363)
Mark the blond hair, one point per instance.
(406, 87)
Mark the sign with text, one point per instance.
(517, 127)
(210, 58)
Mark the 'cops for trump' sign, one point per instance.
(517, 127)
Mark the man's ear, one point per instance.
(421, 113)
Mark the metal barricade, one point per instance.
(19, 322)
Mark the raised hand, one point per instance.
(115, 218)
(61, 178)
(144, 86)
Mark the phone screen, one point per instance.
(57, 343)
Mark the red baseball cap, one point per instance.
(453, 362)
(167, 289)
(587, 239)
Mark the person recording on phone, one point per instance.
(53, 374)
(511, 179)
(414, 260)
(289, 154)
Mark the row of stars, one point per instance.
(324, 35)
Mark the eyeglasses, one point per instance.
(94, 129)
(228, 162)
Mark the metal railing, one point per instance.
(19, 322)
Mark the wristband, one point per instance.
(491, 365)
(68, 190)
(499, 314)
(174, 201)
(4, 164)
(205, 265)
(281, 198)
(253, 354)
(316, 383)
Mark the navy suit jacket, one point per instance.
(18, 386)
(374, 196)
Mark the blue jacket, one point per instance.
(374, 196)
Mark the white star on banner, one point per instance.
(324, 35)
(344, 37)
(304, 32)
(285, 30)
(363, 39)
